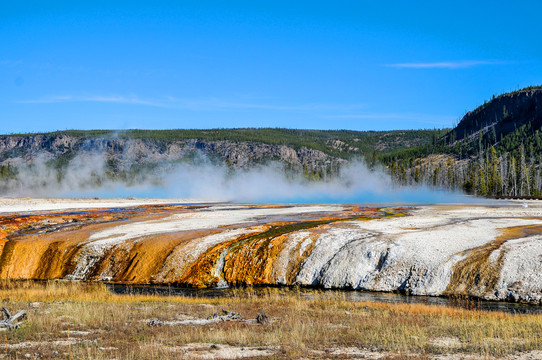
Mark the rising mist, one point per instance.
(88, 175)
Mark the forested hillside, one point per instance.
(128, 156)
(495, 150)
(342, 143)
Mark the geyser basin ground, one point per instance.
(491, 252)
(76, 320)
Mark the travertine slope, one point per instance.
(488, 252)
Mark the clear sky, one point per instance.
(358, 65)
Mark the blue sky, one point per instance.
(359, 65)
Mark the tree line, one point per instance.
(487, 175)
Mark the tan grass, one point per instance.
(116, 325)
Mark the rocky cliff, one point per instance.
(500, 117)
(74, 161)
(18, 150)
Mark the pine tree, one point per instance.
(494, 178)
(417, 175)
(374, 160)
(436, 174)
(481, 182)
(512, 178)
(523, 173)
(402, 175)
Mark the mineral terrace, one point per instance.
(491, 252)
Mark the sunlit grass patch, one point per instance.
(88, 321)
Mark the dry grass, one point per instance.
(102, 325)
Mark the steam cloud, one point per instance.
(86, 176)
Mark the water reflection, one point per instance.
(348, 295)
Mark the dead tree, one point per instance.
(11, 322)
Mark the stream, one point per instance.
(347, 295)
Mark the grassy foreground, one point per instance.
(74, 320)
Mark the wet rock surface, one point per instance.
(487, 252)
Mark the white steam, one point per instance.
(87, 176)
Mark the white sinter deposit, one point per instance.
(215, 217)
(434, 250)
(417, 254)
